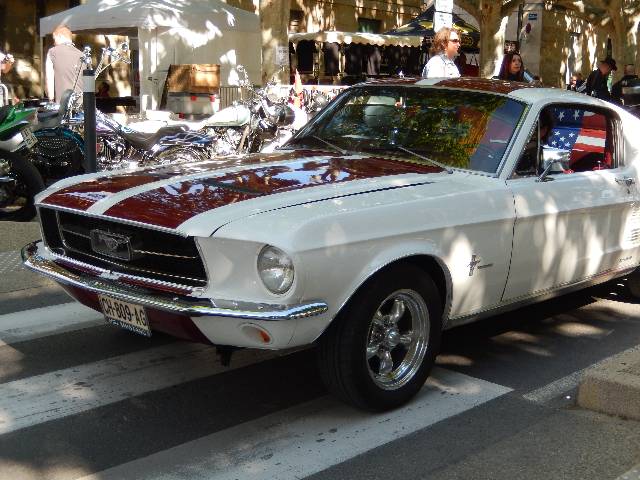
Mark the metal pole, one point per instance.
(89, 104)
(520, 22)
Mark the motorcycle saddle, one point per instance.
(144, 141)
(42, 116)
(49, 119)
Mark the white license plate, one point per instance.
(28, 137)
(125, 315)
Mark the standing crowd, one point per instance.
(445, 49)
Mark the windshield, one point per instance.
(460, 129)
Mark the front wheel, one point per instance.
(379, 351)
(17, 195)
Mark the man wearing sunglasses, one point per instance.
(444, 49)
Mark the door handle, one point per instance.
(626, 181)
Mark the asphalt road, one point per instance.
(83, 399)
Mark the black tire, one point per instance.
(345, 352)
(58, 154)
(29, 183)
(633, 283)
(175, 155)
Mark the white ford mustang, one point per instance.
(404, 208)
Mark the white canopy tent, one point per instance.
(172, 32)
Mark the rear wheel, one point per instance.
(380, 349)
(17, 197)
(179, 155)
(633, 283)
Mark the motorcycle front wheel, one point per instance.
(17, 197)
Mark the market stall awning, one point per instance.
(422, 26)
(356, 37)
(203, 17)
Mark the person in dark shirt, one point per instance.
(512, 68)
(616, 89)
(597, 81)
(576, 83)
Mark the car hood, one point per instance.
(197, 198)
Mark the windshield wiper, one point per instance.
(446, 168)
(326, 142)
(335, 147)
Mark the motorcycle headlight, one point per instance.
(275, 269)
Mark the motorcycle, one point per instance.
(251, 125)
(60, 149)
(262, 122)
(20, 181)
(314, 101)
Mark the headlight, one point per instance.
(275, 269)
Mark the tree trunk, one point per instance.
(492, 31)
(274, 20)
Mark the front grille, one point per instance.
(155, 255)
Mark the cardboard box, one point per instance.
(194, 78)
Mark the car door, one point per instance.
(573, 226)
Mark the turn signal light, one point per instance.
(256, 333)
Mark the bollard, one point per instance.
(89, 105)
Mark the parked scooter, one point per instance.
(20, 181)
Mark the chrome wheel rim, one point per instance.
(397, 340)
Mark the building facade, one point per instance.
(556, 38)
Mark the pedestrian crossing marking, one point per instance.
(308, 438)
(73, 390)
(39, 322)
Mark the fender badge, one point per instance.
(475, 262)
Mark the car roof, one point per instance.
(527, 92)
(467, 83)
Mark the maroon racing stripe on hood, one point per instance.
(83, 195)
(173, 204)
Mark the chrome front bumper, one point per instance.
(180, 304)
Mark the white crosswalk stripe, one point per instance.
(66, 392)
(39, 322)
(269, 447)
(308, 438)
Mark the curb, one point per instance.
(613, 387)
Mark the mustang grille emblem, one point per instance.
(111, 244)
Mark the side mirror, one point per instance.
(554, 160)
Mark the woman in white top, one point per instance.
(444, 49)
(6, 62)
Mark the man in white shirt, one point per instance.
(444, 49)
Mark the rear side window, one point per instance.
(588, 134)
